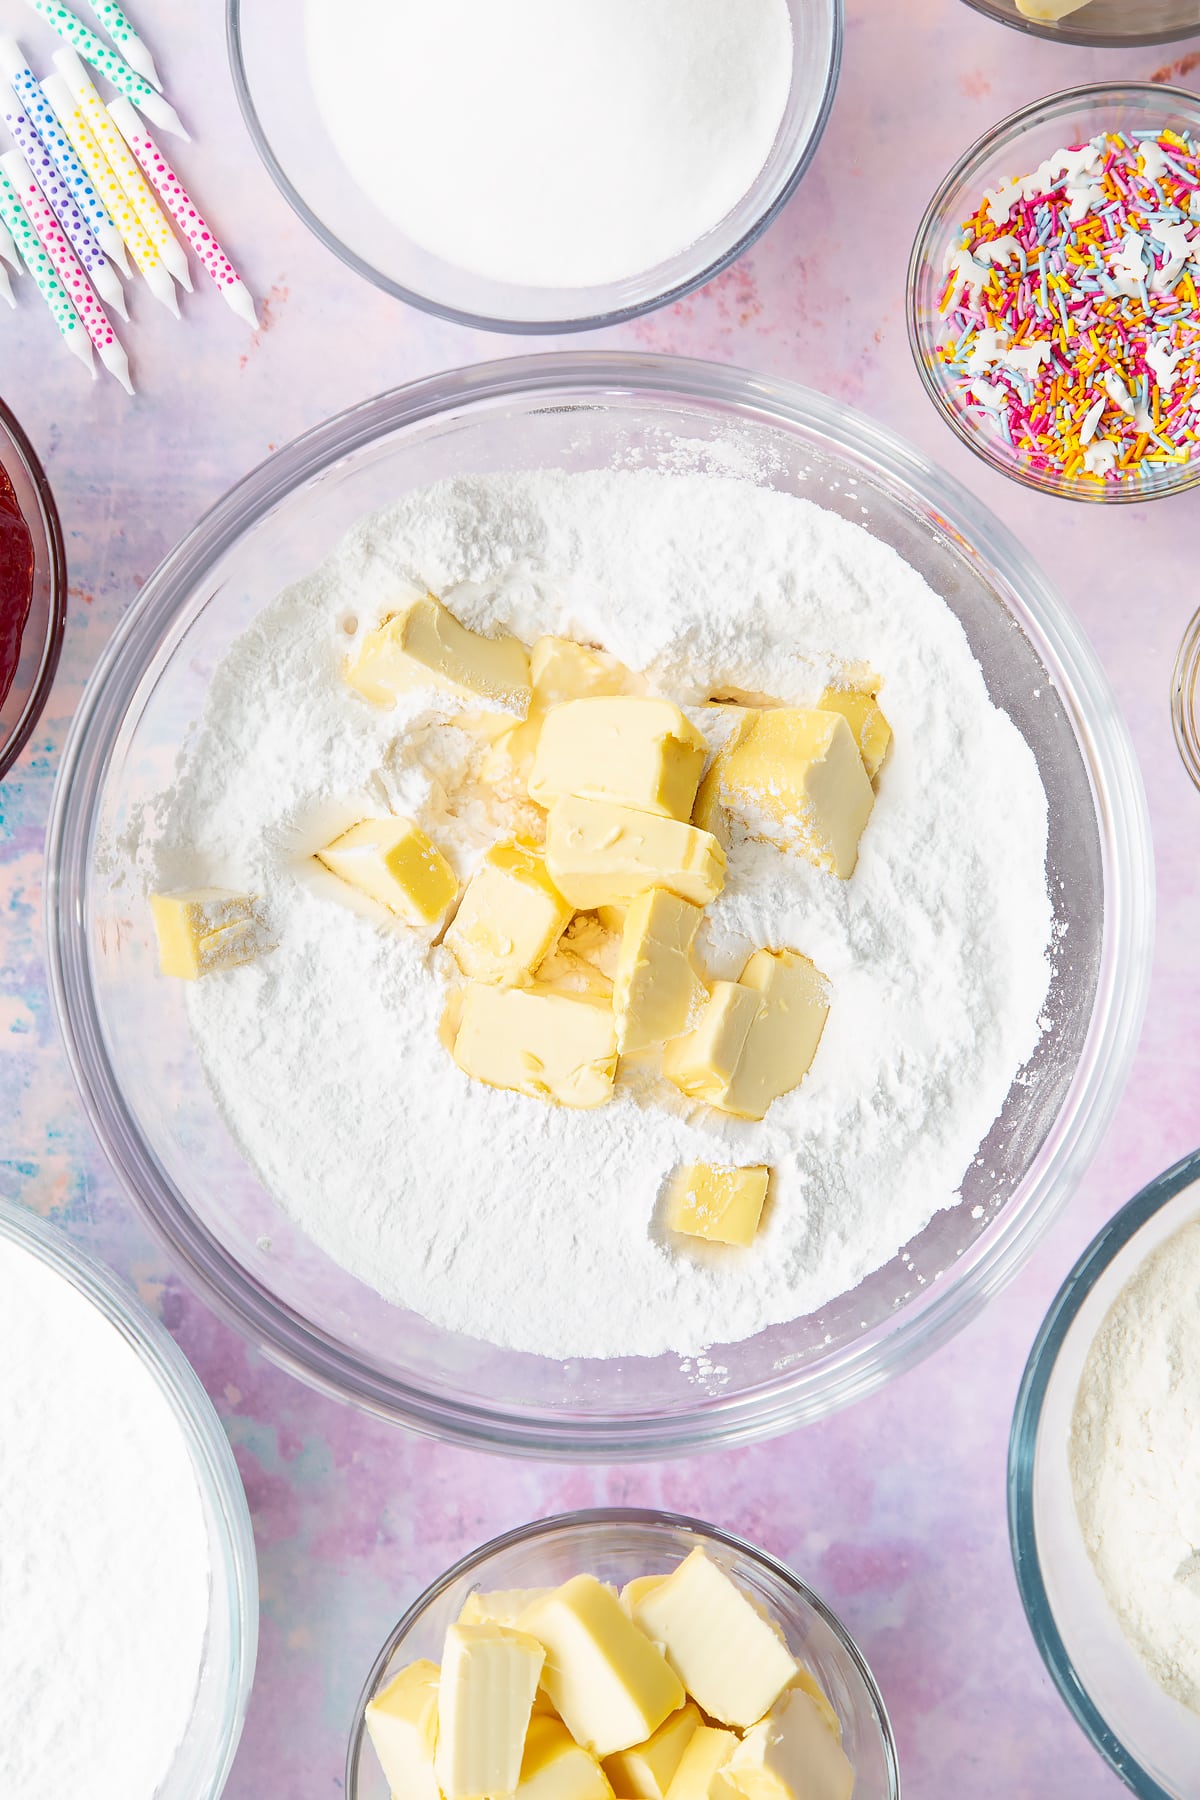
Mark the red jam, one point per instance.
(16, 583)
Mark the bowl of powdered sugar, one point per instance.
(468, 1248)
(1104, 1488)
(127, 1574)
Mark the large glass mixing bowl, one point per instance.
(127, 1034)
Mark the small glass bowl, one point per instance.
(1015, 147)
(268, 55)
(1105, 24)
(615, 1545)
(42, 638)
(1185, 699)
(203, 1760)
(1151, 1741)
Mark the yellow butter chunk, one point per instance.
(633, 1590)
(204, 930)
(601, 854)
(1049, 11)
(791, 1755)
(425, 646)
(610, 1684)
(732, 1660)
(503, 1606)
(510, 918)
(656, 991)
(701, 1771)
(402, 1722)
(645, 1772)
(630, 749)
(551, 1046)
(796, 778)
(394, 863)
(485, 1697)
(783, 1038)
(723, 1205)
(563, 670)
(861, 711)
(708, 811)
(702, 1063)
(555, 1767)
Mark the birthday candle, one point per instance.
(145, 255)
(94, 50)
(183, 210)
(37, 261)
(116, 153)
(84, 243)
(69, 269)
(121, 32)
(8, 250)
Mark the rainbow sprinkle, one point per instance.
(1071, 318)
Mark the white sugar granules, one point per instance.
(550, 144)
(1135, 1462)
(104, 1571)
(522, 1223)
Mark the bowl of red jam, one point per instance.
(33, 589)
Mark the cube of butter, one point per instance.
(402, 1722)
(732, 1660)
(785, 1032)
(633, 1590)
(503, 1606)
(791, 1755)
(630, 749)
(563, 670)
(485, 1697)
(723, 1205)
(204, 930)
(702, 1767)
(702, 1063)
(645, 1771)
(550, 1046)
(611, 1686)
(796, 779)
(656, 991)
(555, 1767)
(861, 711)
(1049, 11)
(395, 864)
(708, 812)
(425, 646)
(601, 854)
(510, 917)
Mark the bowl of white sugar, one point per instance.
(127, 1572)
(464, 1205)
(1104, 1488)
(533, 166)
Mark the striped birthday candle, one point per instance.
(37, 260)
(94, 50)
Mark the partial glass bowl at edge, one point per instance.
(127, 1034)
(1104, 24)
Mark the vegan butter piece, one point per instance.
(656, 991)
(630, 749)
(205, 930)
(610, 1684)
(708, 812)
(702, 1063)
(394, 863)
(425, 646)
(503, 1606)
(601, 854)
(563, 670)
(510, 918)
(645, 1771)
(784, 1034)
(633, 1590)
(403, 1726)
(791, 1755)
(1049, 11)
(485, 1698)
(550, 1046)
(732, 1661)
(723, 1205)
(701, 1771)
(796, 778)
(555, 1767)
(861, 711)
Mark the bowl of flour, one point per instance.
(484, 1266)
(1104, 1488)
(534, 166)
(127, 1574)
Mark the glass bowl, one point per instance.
(1016, 147)
(204, 1758)
(42, 637)
(1185, 695)
(270, 73)
(616, 1545)
(127, 1034)
(1105, 24)
(1151, 1741)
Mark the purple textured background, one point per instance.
(894, 1511)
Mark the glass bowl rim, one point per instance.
(1005, 131)
(234, 1560)
(1092, 1264)
(39, 693)
(275, 1328)
(616, 1517)
(619, 315)
(1077, 35)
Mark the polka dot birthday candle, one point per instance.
(94, 50)
(122, 33)
(37, 260)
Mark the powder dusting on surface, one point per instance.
(525, 1224)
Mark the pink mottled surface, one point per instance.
(894, 1511)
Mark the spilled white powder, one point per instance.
(532, 1226)
(1135, 1462)
(104, 1570)
(552, 143)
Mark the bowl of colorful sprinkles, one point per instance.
(33, 589)
(1053, 294)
